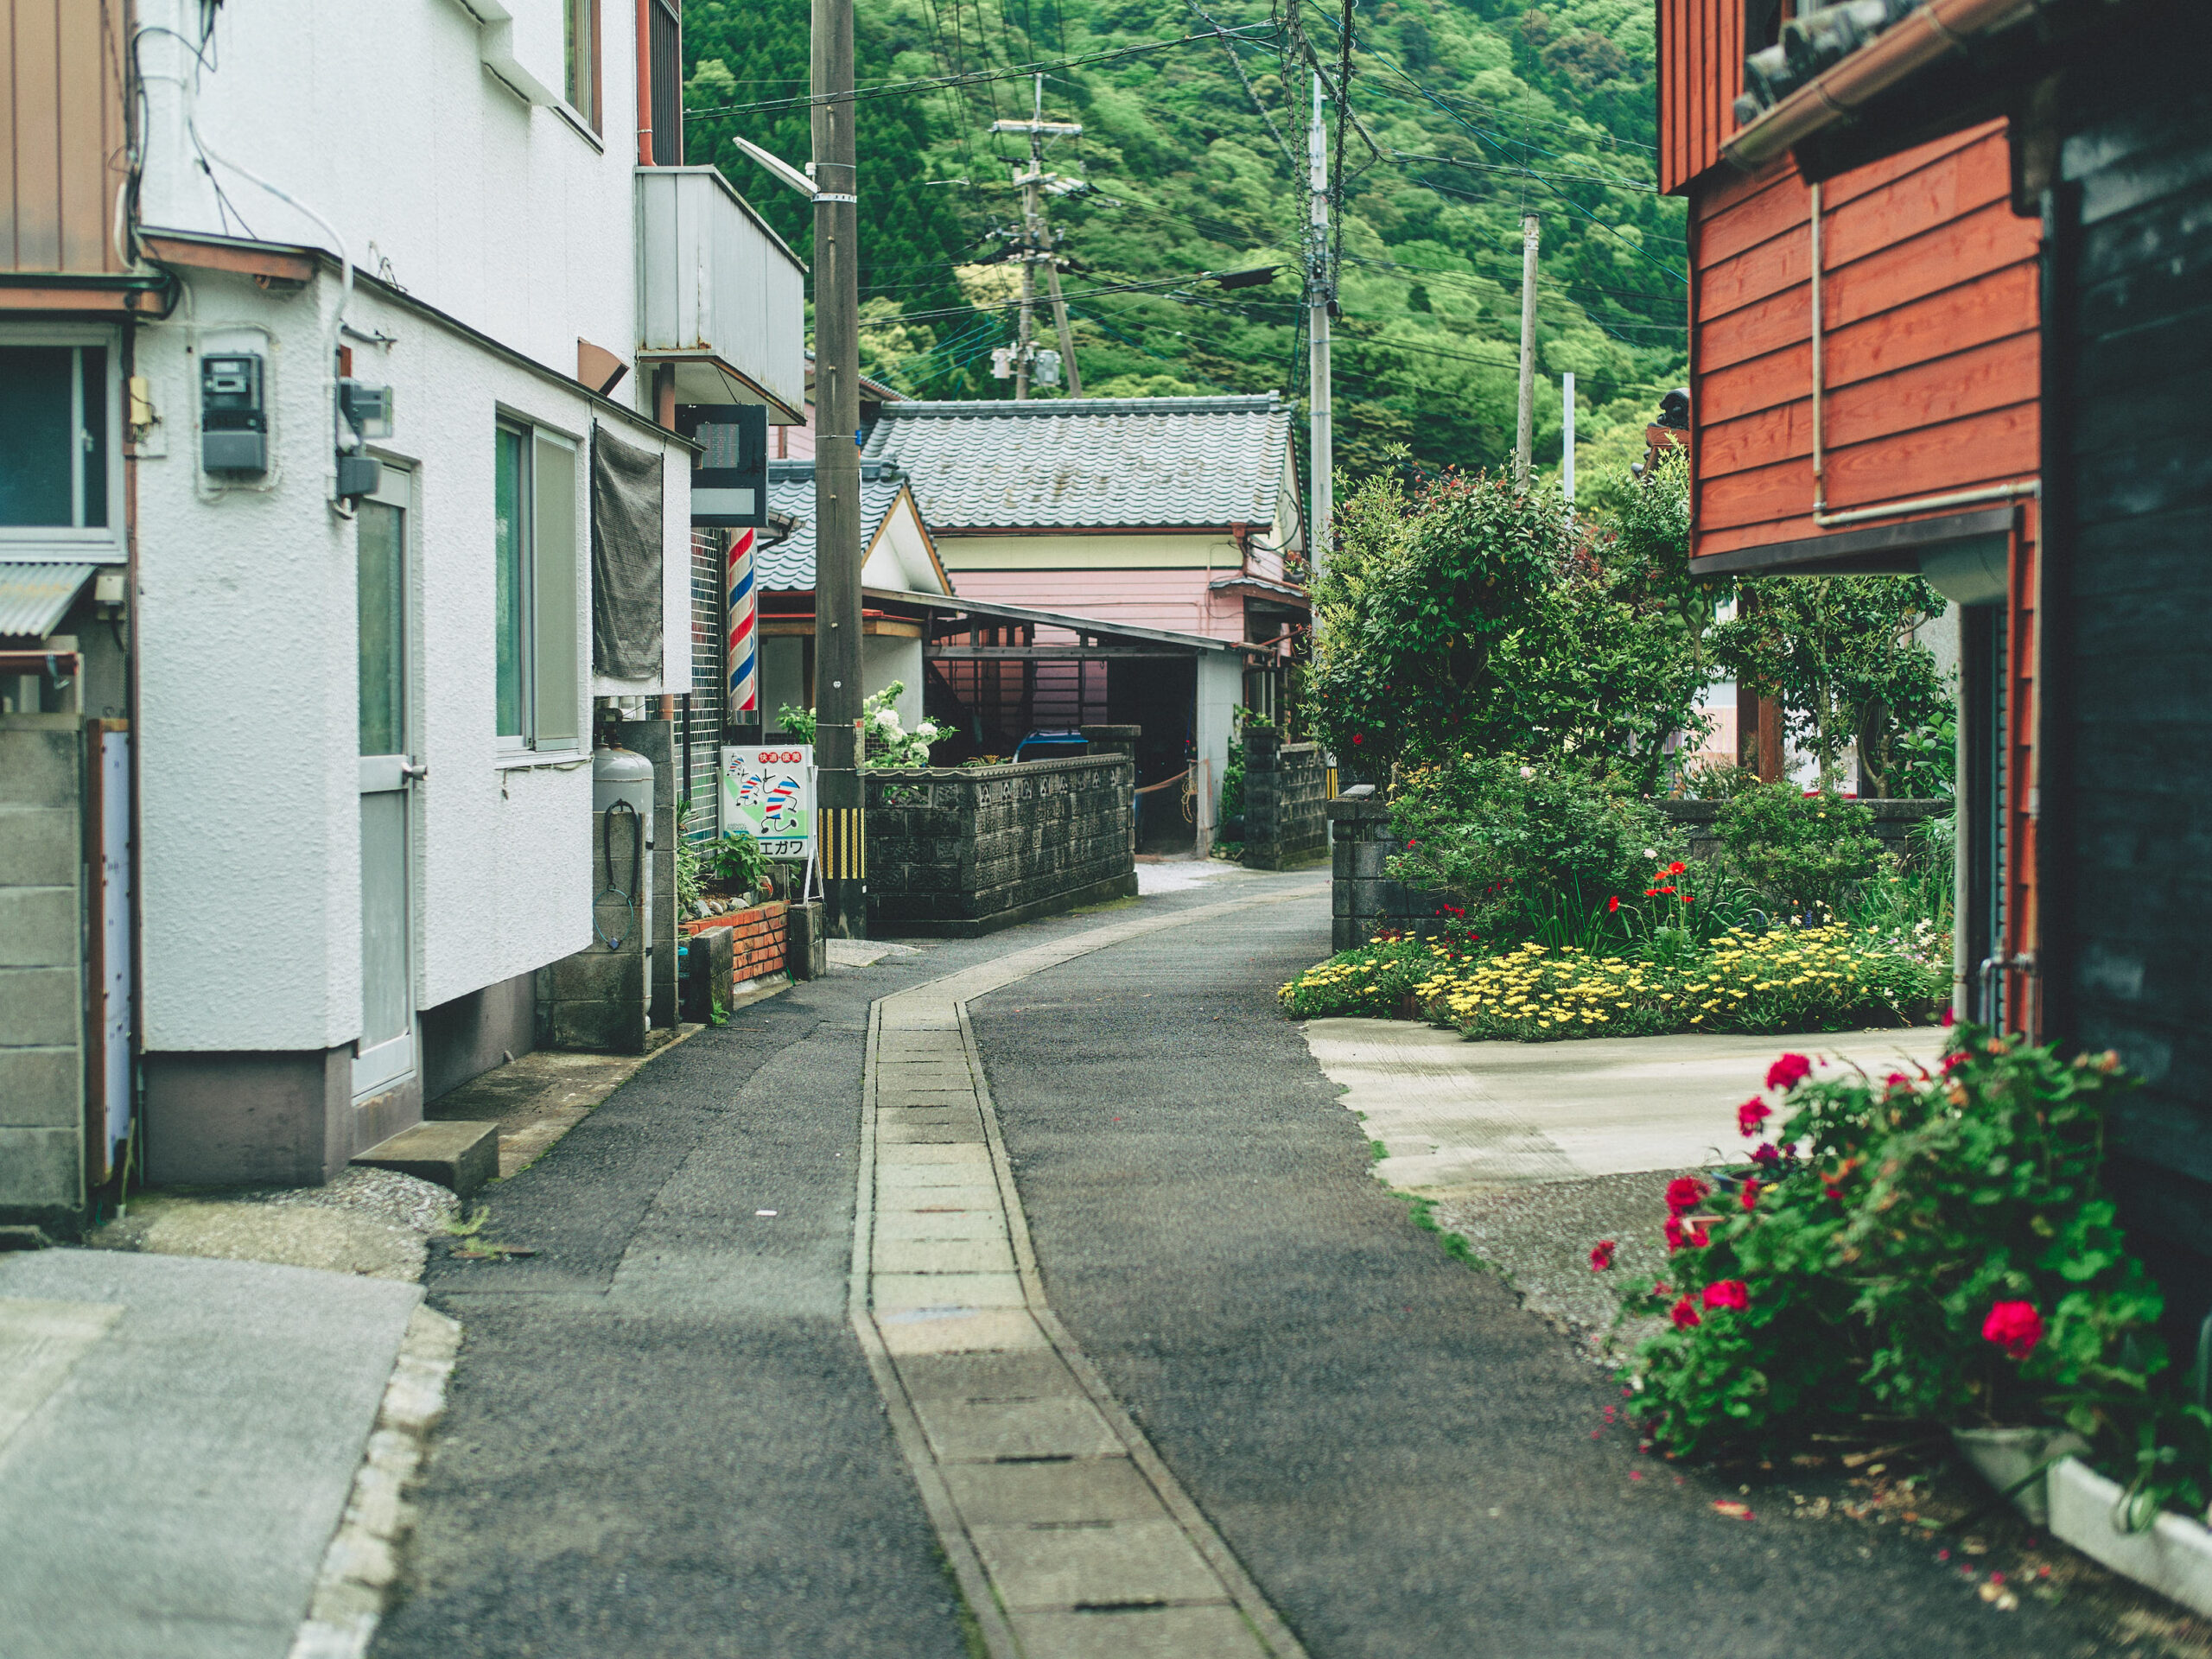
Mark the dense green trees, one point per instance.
(1475, 112)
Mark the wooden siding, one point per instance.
(2127, 794)
(61, 121)
(1700, 73)
(1929, 291)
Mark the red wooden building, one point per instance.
(1863, 395)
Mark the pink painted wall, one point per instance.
(1177, 600)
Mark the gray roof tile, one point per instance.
(790, 563)
(1066, 463)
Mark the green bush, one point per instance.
(1803, 852)
(1529, 850)
(1925, 1247)
(1376, 980)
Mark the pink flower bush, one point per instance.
(1752, 1113)
(2014, 1326)
(1684, 1313)
(1728, 1293)
(1686, 1192)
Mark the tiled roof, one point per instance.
(790, 563)
(1090, 462)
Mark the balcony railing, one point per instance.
(720, 295)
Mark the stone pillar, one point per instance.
(1119, 739)
(1263, 799)
(1360, 892)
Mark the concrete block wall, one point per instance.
(965, 851)
(42, 971)
(1285, 791)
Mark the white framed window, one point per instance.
(537, 561)
(60, 442)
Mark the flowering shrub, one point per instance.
(1925, 1246)
(1376, 980)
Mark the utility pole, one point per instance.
(1524, 427)
(1037, 246)
(841, 834)
(1320, 295)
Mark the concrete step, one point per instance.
(456, 1153)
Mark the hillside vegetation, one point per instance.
(1468, 115)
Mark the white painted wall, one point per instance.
(250, 800)
(385, 120)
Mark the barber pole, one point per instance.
(744, 679)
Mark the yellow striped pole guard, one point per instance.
(842, 832)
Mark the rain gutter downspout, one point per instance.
(1919, 38)
(1822, 519)
(644, 83)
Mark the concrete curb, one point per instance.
(362, 1560)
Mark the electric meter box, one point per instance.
(233, 415)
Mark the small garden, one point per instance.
(1518, 682)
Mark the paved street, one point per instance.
(1239, 1404)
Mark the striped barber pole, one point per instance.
(744, 644)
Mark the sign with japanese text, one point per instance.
(768, 794)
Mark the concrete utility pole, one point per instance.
(840, 834)
(1037, 248)
(1320, 293)
(1524, 427)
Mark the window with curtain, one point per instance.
(537, 689)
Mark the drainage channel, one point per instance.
(1069, 1536)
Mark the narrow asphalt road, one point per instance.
(663, 1439)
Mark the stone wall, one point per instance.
(42, 972)
(1285, 815)
(1365, 899)
(1894, 822)
(965, 851)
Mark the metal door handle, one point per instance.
(415, 769)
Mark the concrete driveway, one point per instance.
(1456, 1117)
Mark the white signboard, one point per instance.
(768, 794)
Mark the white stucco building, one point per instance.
(362, 711)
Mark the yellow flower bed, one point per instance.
(1786, 979)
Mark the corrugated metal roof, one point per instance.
(1089, 463)
(34, 597)
(790, 563)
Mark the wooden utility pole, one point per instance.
(1524, 425)
(1320, 295)
(840, 834)
(1038, 249)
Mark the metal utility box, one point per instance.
(233, 413)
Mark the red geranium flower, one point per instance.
(1752, 1113)
(1751, 1195)
(1601, 1256)
(1687, 1236)
(2014, 1326)
(1612, 903)
(1728, 1293)
(1677, 868)
(1684, 1314)
(1789, 1071)
(1949, 1019)
(1686, 1192)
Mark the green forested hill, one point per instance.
(1477, 111)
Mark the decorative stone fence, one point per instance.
(1286, 790)
(1365, 899)
(959, 852)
